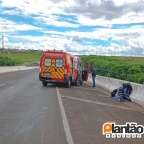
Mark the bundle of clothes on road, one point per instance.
(122, 93)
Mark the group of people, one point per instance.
(120, 94)
(90, 69)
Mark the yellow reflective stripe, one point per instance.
(60, 75)
(61, 72)
(55, 72)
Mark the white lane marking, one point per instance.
(64, 119)
(92, 89)
(99, 103)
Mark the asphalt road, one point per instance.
(29, 113)
(88, 108)
(32, 114)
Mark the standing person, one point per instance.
(85, 72)
(93, 73)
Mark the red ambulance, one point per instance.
(60, 67)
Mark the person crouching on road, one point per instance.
(93, 73)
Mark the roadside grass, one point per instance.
(11, 58)
(125, 68)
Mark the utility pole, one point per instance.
(2, 41)
(3, 30)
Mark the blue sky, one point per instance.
(103, 27)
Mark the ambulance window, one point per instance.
(47, 62)
(59, 62)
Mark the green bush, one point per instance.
(11, 58)
(5, 61)
(125, 68)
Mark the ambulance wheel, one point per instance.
(68, 83)
(44, 83)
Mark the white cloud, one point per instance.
(24, 27)
(68, 43)
(89, 13)
(52, 20)
(34, 7)
(87, 21)
(44, 42)
(123, 2)
(44, 9)
(10, 26)
(131, 17)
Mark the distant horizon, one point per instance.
(39, 50)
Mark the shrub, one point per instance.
(125, 68)
(5, 61)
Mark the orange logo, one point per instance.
(107, 128)
(127, 130)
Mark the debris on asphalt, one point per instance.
(122, 93)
